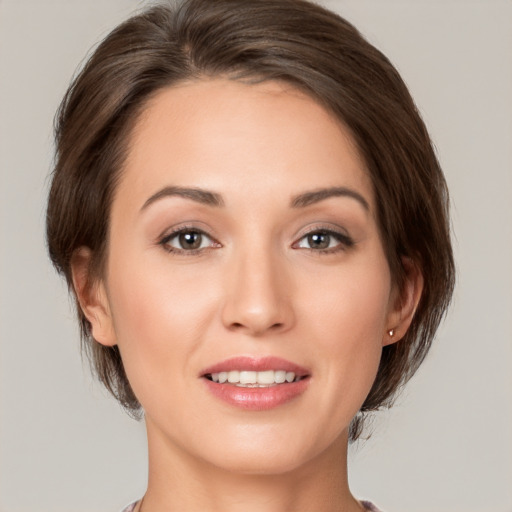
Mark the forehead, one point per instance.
(235, 138)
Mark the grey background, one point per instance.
(446, 446)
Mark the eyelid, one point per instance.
(168, 235)
(344, 239)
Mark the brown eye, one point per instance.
(319, 240)
(187, 240)
(190, 240)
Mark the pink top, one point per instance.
(366, 504)
(370, 506)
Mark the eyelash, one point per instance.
(164, 242)
(345, 241)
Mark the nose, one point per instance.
(258, 295)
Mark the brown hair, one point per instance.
(254, 40)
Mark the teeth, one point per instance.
(233, 377)
(280, 376)
(266, 377)
(245, 378)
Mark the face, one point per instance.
(244, 251)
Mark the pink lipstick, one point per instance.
(256, 383)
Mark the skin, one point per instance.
(255, 287)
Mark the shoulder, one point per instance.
(130, 508)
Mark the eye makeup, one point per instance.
(324, 240)
(189, 241)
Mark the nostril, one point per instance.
(274, 327)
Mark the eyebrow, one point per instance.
(210, 198)
(315, 196)
(196, 194)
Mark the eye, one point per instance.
(187, 240)
(324, 240)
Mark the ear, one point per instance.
(92, 297)
(404, 303)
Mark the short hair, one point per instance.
(294, 41)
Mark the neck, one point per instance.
(178, 481)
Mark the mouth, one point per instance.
(254, 379)
(256, 383)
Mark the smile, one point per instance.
(256, 383)
(247, 378)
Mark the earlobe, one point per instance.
(91, 295)
(405, 303)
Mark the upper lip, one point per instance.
(256, 364)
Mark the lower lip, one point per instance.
(257, 399)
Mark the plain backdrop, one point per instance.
(446, 446)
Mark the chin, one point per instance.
(268, 455)
(261, 463)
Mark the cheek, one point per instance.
(347, 321)
(350, 303)
(159, 316)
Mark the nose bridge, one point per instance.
(257, 297)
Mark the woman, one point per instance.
(249, 212)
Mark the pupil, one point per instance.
(319, 240)
(190, 240)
